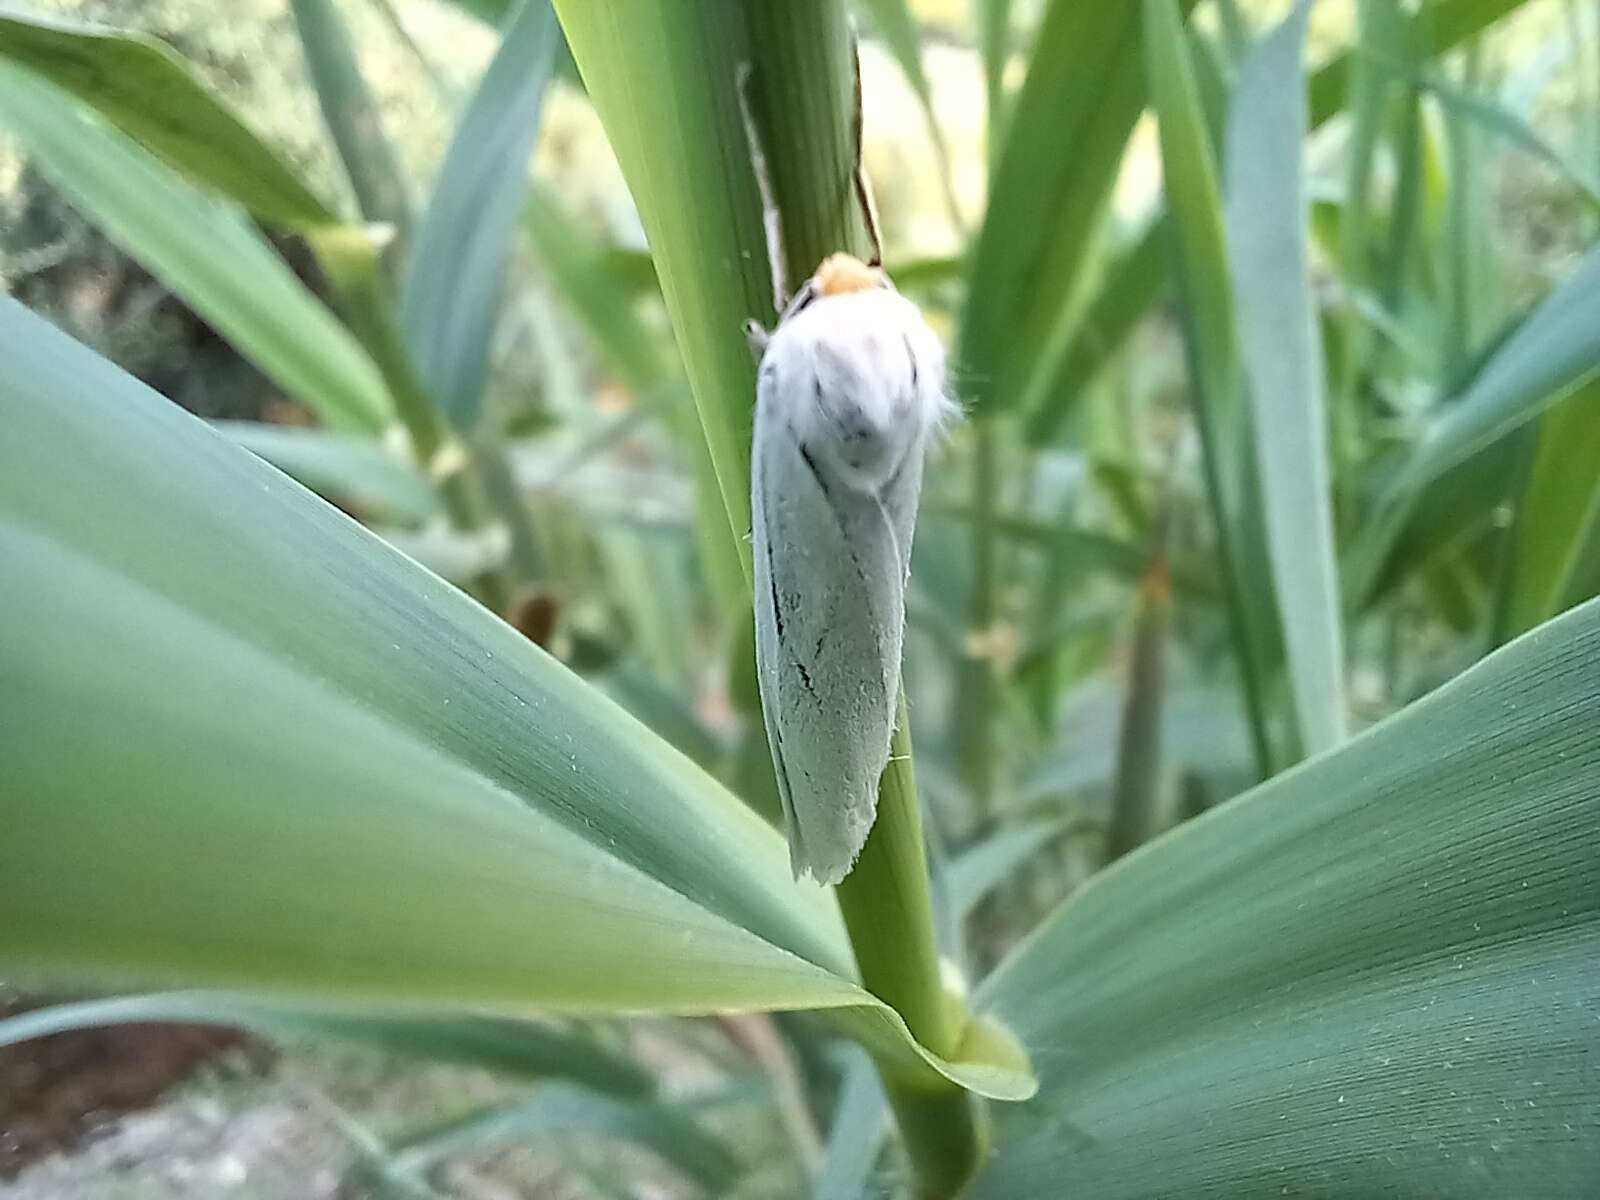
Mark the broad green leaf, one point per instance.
(1267, 223)
(283, 758)
(514, 1047)
(202, 248)
(141, 86)
(1373, 975)
(463, 247)
(351, 115)
(359, 469)
(1559, 511)
(664, 78)
(1064, 141)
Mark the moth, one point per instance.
(850, 391)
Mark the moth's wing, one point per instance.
(830, 605)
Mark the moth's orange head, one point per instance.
(840, 274)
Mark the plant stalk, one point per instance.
(888, 910)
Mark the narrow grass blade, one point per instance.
(1417, 1021)
(1498, 119)
(509, 1047)
(141, 86)
(1445, 23)
(1133, 280)
(561, 1111)
(457, 273)
(1199, 254)
(578, 268)
(979, 869)
(200, 247)
(1267, 223)
(1550, 352)
(356, 469)
(1064, 141)
(1558, 513)
(351, 115)
(856, 1137)
(1442, 25)
(1135, 790)
(994, 40)
(214, 669)
(1553, 350)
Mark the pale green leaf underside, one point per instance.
(1373, 975)
(279, 756)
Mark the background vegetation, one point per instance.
(1282, 414)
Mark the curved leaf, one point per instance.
(282, 757)
(1372, 975)
(200, 247)
(151, 94)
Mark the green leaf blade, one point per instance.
(1065, 136)
(1267, 222)
(288, 760)
(458, 266)
(1372, 974)
(351, 115)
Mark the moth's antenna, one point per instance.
(869, 210)
(771, 219)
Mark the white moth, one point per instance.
(851, 388)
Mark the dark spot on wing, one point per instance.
(811, 465)
(772, 583)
